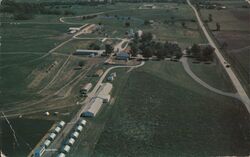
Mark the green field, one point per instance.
(162, 111)
(27, 132)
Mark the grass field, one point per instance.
(162, 111)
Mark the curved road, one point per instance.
(241, 92)
(204, 84)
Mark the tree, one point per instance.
(188, 51)
(178, 53)
(127, 24)
(133, 49)
(207, 53)
(210, 17)
(217, 26)
(196, 51)
(146, 37)
(146, 22)
(108, 49)
(81, 63)
(183, 24)
(94, 46)
(148, 52)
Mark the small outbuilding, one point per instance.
(86, 88)
(122, 56)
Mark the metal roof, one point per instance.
(95, 106)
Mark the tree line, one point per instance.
(148, 47)
(25, 11)
(201, 52)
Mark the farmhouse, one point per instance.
(89, 52)
(122, 56)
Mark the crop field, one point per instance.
(27, 133)
(235, 33)
(181, 119)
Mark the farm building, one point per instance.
(89, 52)
(98, 73)
(94, 107)
(86, 88)
(122, 56)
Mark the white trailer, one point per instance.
(71, 141)
(57, 130)
(75, 135)
(47, 143)
(79, 128)
(61, 124)
(83, 122)
(52, 136)
(61, 155)
(66, 148)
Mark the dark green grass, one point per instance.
(163, 112)
(212, 75)
(31, 37)
(28, 133)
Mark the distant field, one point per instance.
(235, 32)
(181, 119)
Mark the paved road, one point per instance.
(243, 96)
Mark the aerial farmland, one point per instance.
(124, 78)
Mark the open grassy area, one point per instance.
(162, 111)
